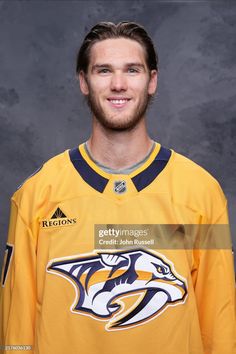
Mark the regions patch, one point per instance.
(123, 288)
(58, 219)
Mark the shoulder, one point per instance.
(190, 172)
(195, 187)
(41, 180)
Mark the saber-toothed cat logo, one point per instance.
(124, 288)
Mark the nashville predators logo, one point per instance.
(124, 288)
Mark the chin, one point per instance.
(119, 126)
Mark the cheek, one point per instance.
(139, 86)
(99, 86)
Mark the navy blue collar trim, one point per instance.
(142, 180)
(86, 172)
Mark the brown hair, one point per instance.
(108, 30)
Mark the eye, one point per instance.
(103, 71)
(160, 269)
(132, 70)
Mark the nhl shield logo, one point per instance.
(120, 187)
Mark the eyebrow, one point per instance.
(99, 66)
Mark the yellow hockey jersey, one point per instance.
(103, 263)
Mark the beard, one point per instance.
(108, 121)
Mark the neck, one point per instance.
(119, 150)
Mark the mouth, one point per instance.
(118, 102)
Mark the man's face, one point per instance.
(118, 84)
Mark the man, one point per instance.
(114, 246)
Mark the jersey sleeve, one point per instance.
(18, 288)
(214, 282)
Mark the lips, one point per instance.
(118, 102)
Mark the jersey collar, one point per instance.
(98, 179)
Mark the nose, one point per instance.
(118, 82)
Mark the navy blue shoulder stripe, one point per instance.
(144, 178)
(86, 172)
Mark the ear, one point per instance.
(152, 86)
(83, 82)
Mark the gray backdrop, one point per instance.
(42, 111)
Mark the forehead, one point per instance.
(117, 51)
